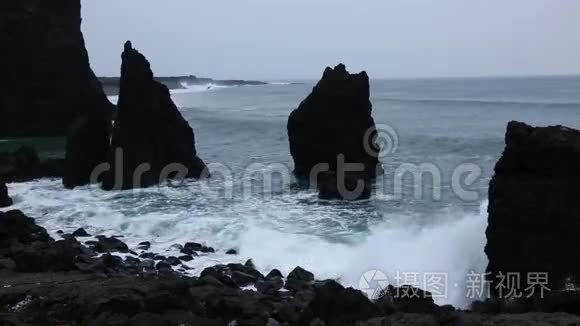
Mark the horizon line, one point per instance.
(522, 76)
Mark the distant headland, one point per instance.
(111, 84)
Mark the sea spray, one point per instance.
(285, 232)
(453, 249)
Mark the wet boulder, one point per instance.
(407, 299)
(234, 275)
(17, 228)
(299, 279)
(110, 244)
(271, 283)
(335, 305)
(80, 233)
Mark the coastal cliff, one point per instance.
(46, 81)
(534, 212)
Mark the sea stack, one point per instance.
(534, 211)
(333, 126)
(47, 82)
(151, 141)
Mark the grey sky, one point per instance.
(275, 39)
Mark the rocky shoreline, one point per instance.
(44, 281)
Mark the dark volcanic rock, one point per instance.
(110, 244)
(148, 255)
(78, 299)
(47, 256)
(298, 279)
(31, 249)
(407, 299)
(47, 81)
(17, 228)
(145, 245)
(336, 305)
(185, 258)
(271, 284)
(191, 248)
(231, 252)
(300, 274)
(150, 136)
(25, 165)
(87, 146)
(274, 274)
(173, 261)
(5, 200)
(80, 233)
(335, 119)
(534, 211)
(233, 275)
(163, 266)
(70, 285)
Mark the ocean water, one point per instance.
(410, 229)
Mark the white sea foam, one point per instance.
(198, 88)
(278, 233)
(113, 99)
(453, 248)
(186, 89)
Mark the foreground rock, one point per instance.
(25, 165)
(46, 78)
(48, 282)
(334, 126)
(5, 200)
(81, 299)
(150, 130)
(534, 212)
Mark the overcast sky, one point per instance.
(283, 39)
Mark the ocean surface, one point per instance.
(413, 227)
